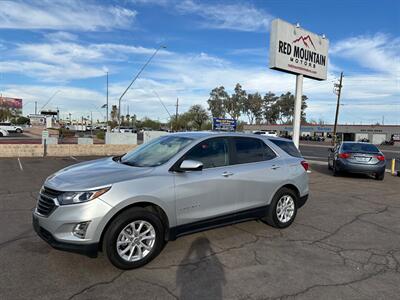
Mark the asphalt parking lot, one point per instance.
(344, 244)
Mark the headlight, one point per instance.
(80, 197)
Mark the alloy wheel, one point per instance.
(285, 209)
(136, 241)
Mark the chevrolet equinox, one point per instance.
(128, 206)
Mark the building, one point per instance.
(376, 134)
(46, 117)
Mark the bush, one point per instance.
(65, 132)
(100, 135)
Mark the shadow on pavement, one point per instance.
(200, 278)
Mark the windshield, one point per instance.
(156, 152)
(359, 147)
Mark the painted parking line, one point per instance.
(20, 165)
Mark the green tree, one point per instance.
(22, 120)
(5, 114)
(149, 123)
(252, 107)
(286, 108)
(234, 104)
(218, 98)
(270, 109)
(198, 115)
(114, 113)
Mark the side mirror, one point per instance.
(191, 165)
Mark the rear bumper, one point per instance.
(343, 165)
(90, 250)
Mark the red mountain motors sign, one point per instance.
(297, 51)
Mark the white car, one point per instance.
(123, 129)
(266, 133)
(11, 128)
(3, 132)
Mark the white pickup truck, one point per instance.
(10, 128)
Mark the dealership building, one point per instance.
(376, 134)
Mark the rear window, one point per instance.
(287, 146)
(358, 147)
(248, 150)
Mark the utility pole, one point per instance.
(337, 90)
(91, 124)
(176, 113)
(107, 103)
(70, 120)
(35, 107)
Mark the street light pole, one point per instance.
(134, 79)
(107, 103)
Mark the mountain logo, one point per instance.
(305, 40)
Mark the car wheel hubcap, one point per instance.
(136, 241)
(285, 209)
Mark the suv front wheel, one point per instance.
(134, 238)
(283, 209)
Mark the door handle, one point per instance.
(274, 167)
(227, 174)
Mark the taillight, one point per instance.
(305, 165)
(344, 155)
(380, 157)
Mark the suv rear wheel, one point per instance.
(283, 209)
(134, 238)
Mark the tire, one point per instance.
(1, 134)
(334, 170)
(380, 176)
(118, 231)
(329, 165)
(18, 131)
(273, 217)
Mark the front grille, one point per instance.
(46, 205)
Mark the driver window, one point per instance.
(212, 153)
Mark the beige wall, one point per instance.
(14, 150)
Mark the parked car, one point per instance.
(266, 133)
(177, 184)
(3, 133)
(357, 157)
(123, 129)
(10, 127)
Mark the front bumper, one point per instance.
(343, 165)
(90, 250)
(57, 228)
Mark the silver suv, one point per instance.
(129, 206)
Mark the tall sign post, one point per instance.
(297, 51)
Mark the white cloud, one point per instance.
(241, 17)
(61, 61)
(379, 52)
(62, 15)
(50, 72)
(189, 76)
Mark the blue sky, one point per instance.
(67, 46)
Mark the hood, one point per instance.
(93, 174)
